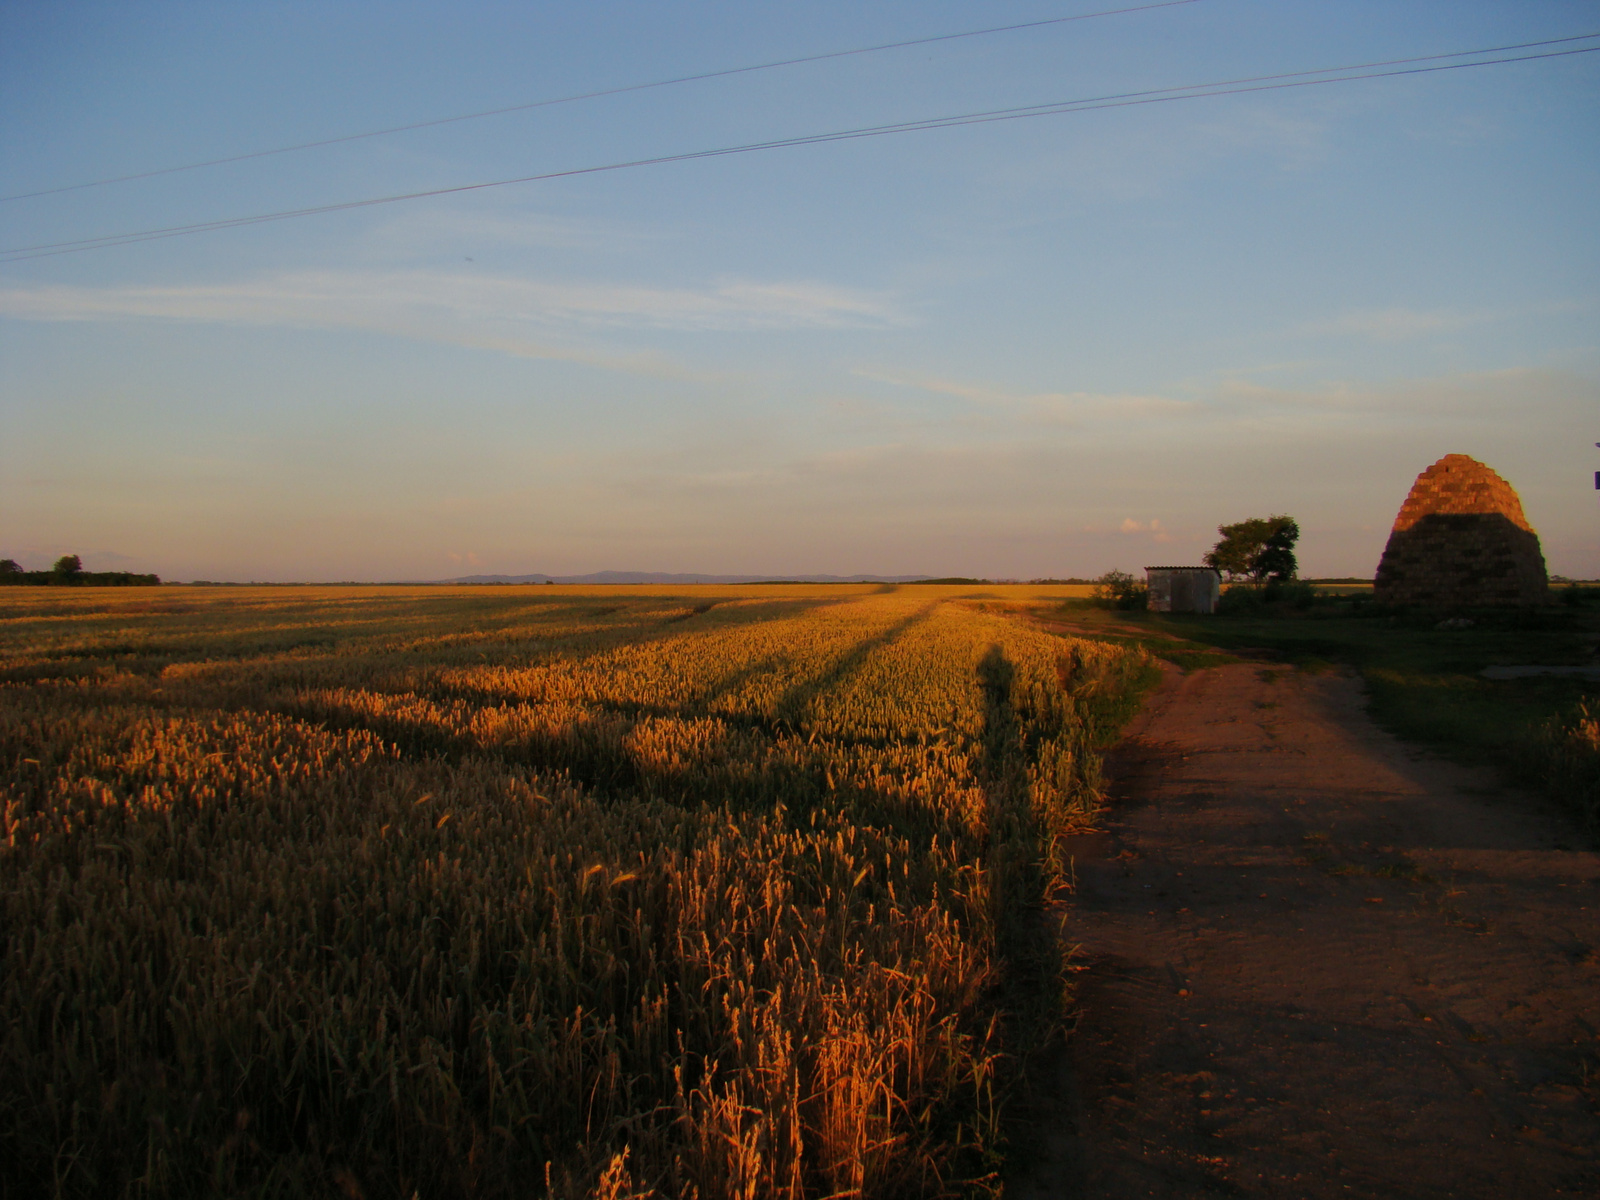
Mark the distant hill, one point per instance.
(666, 577)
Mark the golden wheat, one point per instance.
(524, 891)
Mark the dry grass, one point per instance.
(524, 891)
(1566, 754)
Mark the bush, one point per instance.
(1273, 597)
(1240, 599)
(1291, 593)
(1567, 754)
(1118, 589)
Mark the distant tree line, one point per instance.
(69, 572)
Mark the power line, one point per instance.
(1185, 92)
(1260, 83)
(616, 91)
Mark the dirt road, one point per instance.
(1320, 963)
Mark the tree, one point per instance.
(1260, 549)
(68, 567)
(1276, 561)
(10, 566)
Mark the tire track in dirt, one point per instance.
(1316, 962)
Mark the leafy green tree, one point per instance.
(10, 566)
(1276, 562)
(1233, 553)
(68, 567)
(1260, 549)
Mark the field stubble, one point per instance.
(378, 892)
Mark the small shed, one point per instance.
(1184, 589)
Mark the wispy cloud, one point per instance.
(419, 232)
(1059, 408)
(463, 306)
(1298, 140)
(1395, 324)
(1492, 396)
(1208, 417)
(1151, 529)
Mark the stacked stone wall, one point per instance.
(1461, 540)
(1458, 484)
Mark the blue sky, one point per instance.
(1040, 347)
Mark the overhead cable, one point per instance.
(616, 91)
(1260, 83)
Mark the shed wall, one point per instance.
(1183, 589)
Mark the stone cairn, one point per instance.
(1461, 541)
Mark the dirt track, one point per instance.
(1319, 963)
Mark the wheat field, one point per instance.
(528, 891)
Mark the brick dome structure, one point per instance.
(1461, 541)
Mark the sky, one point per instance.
(1043, 347)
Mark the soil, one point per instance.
(1314, 961)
